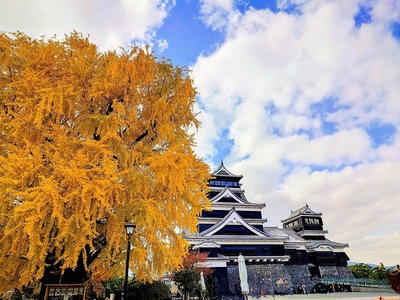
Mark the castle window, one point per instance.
(223, 183)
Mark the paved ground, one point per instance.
(354, 296)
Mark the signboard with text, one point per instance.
(65, 292)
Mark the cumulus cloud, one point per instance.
(217, 13)
(357, 205)
(110, 24)
(297, 91)
(162, 45)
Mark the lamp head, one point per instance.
(130, 227)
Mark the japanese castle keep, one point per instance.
(277, 259)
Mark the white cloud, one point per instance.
(111, 24)
(386, 12)
(295, 61)
(162, 45)
(358, 205)
(390, 152)
(204, 141)
(343, 147)
(217, 13)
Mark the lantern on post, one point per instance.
(129, 227)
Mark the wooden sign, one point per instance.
(65, 292)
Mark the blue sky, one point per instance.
(186, 34)
(299, 96)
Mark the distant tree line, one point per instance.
(362, 270)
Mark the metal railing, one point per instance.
(367, 282)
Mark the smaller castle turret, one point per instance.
(325, 257)
(306, 223)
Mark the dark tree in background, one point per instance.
(188, 277)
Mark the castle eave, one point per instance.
(223, 239)
(206, 220)
(228, 206)
(269, 258)
(312, 233)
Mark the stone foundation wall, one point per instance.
(265, 279)
(300, 275)
(344, 272)
(233, 283)
(335, 271)
(328, 271)
(269, 279)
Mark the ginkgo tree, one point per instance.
(90, 140)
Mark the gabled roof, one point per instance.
(327, 244)
(222, 171)
(293, 235)
(281, 233)
(303, 211)
(293, 240)
(207, 244)
(235, 218)
(227, 193)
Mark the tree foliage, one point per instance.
(89, 141)
(188, 277)
(196, 260)
(361, 270)
(187, 280)
(155, 290)
(379, 273)
(366, 271)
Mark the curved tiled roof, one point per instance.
(303, 211)
(227, 193)
(314, 244)
(222, 171)
(232, 217)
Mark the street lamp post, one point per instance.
(130, 227)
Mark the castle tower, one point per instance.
(325, 257)
(233, 227)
